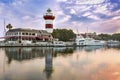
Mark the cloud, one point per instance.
(16, 3)
(86, 14)
(61, 0)
(116, 17)
(102, 26)
(88, 8)
(101, 8)
(107, 26)
(61, 17)
(72, 11)
(64, 19)
(99, 15)
(26, 17)
(1, 8)
(94, 17)
(89, 1)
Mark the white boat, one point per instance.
(81, 41)
(58, 43)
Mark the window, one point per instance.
(81, 40)
(19, 33)
(23, 33)
(26, 33)
(15, 33)
(33, 33)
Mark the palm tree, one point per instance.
(9, 26)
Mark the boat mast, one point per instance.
(87, 33)
(4, 28)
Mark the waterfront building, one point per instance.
(27, 36)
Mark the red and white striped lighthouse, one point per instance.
(49, 17)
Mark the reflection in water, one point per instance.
(21, 54)
(49, 63)
(25, 54)
(89, 48)
(60, 63)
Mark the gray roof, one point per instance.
(28, 30)
(22, 30)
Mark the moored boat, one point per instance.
(81, 41)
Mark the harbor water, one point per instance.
(60, 63)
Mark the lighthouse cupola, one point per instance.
(49, 18)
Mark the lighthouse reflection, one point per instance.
(48, 63)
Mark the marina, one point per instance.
(59, 39)
(28, 37)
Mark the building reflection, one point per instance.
(25, 54)
(22, 54)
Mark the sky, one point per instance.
(100, 16)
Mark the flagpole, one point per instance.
(4, 28)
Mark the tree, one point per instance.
(104, 36)
(116, 36)
(9, 26)
(63, 34)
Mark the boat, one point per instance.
(58, 43)
(87, 41)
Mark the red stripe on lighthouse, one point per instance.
(49, 25)
(46, 17)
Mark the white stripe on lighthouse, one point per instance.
(49, 21)
(50, 30)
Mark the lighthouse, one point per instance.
(49, 17)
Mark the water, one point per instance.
(47, 63)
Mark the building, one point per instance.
(27, 36)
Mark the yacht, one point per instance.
(81, 41)
(58, 43)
